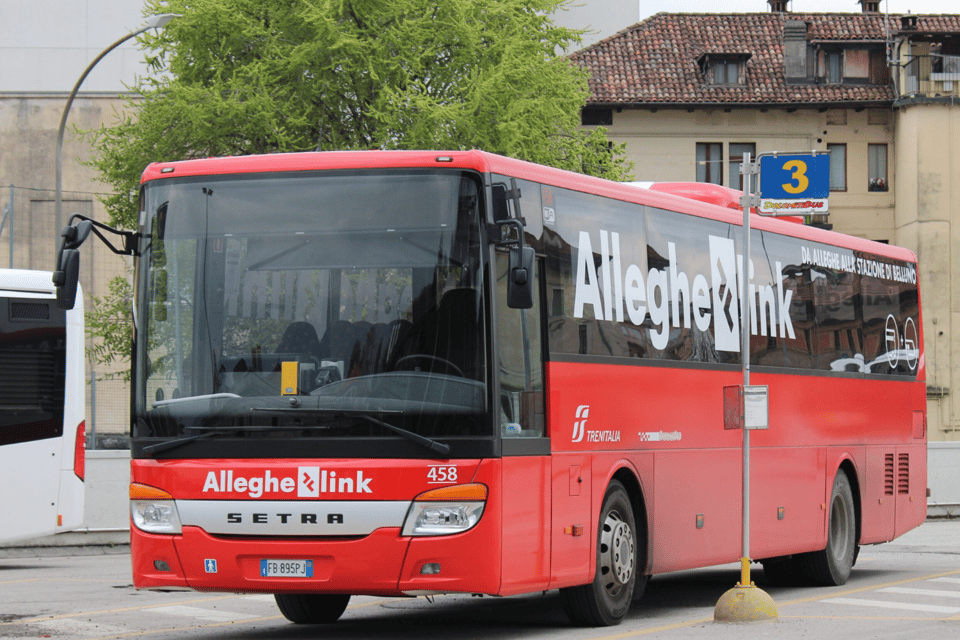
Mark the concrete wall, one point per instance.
(927, 207)
(46, 44)
(943, 478)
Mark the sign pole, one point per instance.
(747, 170)
(745, 602)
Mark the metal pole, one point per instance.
(746, 169)
(11, 226)
(156, 22)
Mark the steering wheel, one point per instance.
(432, 359)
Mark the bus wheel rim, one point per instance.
(618, 553)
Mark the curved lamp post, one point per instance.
(156, 22)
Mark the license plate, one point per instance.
(286, 568)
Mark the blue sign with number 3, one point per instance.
(795, 177)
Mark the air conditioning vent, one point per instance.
(903, 473)
(888, 473)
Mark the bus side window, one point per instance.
(520, 361)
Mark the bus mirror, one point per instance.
(69, 276)
(520, 283)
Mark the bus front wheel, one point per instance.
(311, 608)
(606, 600)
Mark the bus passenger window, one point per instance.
(520, 361)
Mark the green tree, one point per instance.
(239, 77)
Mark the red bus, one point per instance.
(411, 373)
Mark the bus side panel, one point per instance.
(911, 487)
(573, 529)
(697, 516)
(526, 524)
(30, 508)
(786, 513)
(878, 506)
(72, 496)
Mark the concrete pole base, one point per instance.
(745, 604)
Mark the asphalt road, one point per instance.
(909, 588)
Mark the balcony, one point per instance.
(932, 76)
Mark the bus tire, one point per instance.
(606, 601)
(831, 566)
(311, 608)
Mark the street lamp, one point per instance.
(156, 22)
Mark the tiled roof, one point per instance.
(655, 61)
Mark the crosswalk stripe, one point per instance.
(922, 592)
(210, 615)
(950, 580)
(929, 608)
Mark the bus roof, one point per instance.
(485, 162)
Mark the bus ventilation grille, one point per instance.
(29, 311)
(888, 473)
(903, 473)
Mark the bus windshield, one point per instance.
(334, 304)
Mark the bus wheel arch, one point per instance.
(628, 479)
(606, 600)
(831, 566)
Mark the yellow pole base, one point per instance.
(745, 604)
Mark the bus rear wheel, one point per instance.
(831, 567)
(606, 600)
(311, 608)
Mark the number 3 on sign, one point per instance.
(799, 176)
(442, 475)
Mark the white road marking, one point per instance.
(210, 615)
(936, 593)
(929, 608)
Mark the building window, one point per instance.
(724, 70)
(736, 150)
(596, 116)
(838, 166)
(834, 66)
(710, 162)
(877, 167)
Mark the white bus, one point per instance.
(42, 408)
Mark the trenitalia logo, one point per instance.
(310, 482)
(579, 427)
(671, 298)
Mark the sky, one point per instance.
(650, 7)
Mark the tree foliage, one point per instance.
(237, 77)
(108, 322)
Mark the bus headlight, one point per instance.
(446, 511)
(153, 510)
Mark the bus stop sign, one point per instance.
(794, 184)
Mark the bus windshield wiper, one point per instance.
(296, 407)
(206, 432)
(173, 444)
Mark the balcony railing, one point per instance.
(932, 75)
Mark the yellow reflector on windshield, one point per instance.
(144, 492)
(289, 372)
(473, 491)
